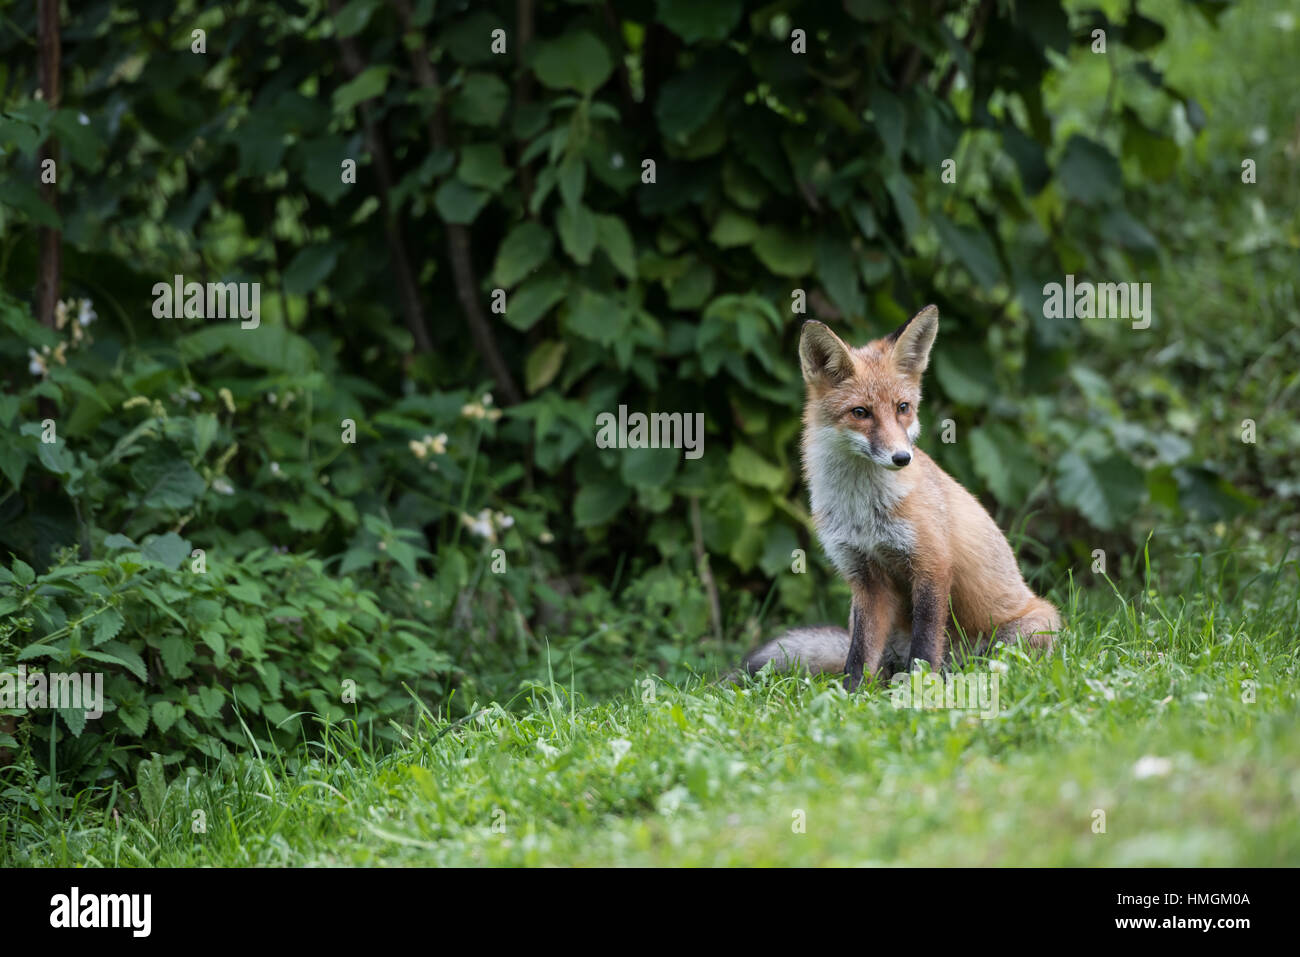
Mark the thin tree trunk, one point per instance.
(702, 566)
(51, 239)
(458, 244)
(408, 292)
(524, 87)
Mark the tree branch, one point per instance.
(458, 244)
(702, 566)
(408, 292)
(51, 239)
(524, 88)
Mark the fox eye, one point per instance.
(860, 413)
(902, 408)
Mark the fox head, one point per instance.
(865, 399)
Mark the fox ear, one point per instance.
(912, 341)
(823, 356)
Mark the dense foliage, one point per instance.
(393, 480)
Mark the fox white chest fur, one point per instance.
(854, 502)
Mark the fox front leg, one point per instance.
(871, 616)
(929, 615)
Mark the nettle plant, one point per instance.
(201, 660)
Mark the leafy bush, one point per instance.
(200, 662)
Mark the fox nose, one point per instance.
(902, 458)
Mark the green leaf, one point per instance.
(25, 198)
(688, 99)
(691, 289)
(151, 784)
(534, 299)
(306, 515)
(890, 121)
(1157, 155)
(176, 653)
(596, 317)
(482, 101)
(212, 700)
(1000, 460)
(470, 40)
(596, 504)
(778, 550)
(75, 719)
(215, 640)
(693, 20)
(23, 572)
(13, 460)
(310, 268)
(964, 374)
(353, 18)
(576, 60)
(268, 346)
(838, 272)
(165, 714)
(371, 82)
(205, 432)
(1089, 173)
(572, 180)
(168, 549)
(525, 248)
(900, 191)
(733, 229)
(56, 457)
(1106, 492)
(248, 696)
(458, 202)
(972, 248)
(247, 592)
(170, 483)
(543, 364)
(135, 718)
(616, 242)
(484, 165)
(204, 611)
(577, 228)
(649, 468)
(123, 654)
(107, 625)
(1029, 157)
(750, 468)
(9, 406)
(785, 252)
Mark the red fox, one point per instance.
(924, 561)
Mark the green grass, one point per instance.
(712, 775)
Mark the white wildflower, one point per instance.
(1150, 766)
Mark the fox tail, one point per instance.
(820, 650)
